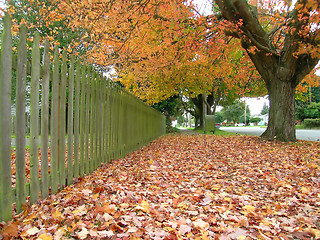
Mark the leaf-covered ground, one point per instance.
(188, 187)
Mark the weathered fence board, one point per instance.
(92, 120)
(20, 118)
(77, 121)
(62, 121)
(5, 113)
(55, 124)
(45, 121)
(34, 120)
(70, 121)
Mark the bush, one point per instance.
(255, 119)
(312, 123)
(310, 111)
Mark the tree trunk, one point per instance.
(197, 101)
(201, 119)
(281, 124)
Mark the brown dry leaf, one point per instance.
(184, 229)
(56, 214)
(11, 231)
(45, 236)
(314, 232)
(199, 223)
(30, 232)
(83, 233)
(144, 206)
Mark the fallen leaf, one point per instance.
(144, 206)
(248, 209)
(199, 223)
(184, 229)
(314, 232)
(86, 192)
(83, 233)
(105, 233)
(30, 232)
(56, 214)
(45, 236)
(11, 230)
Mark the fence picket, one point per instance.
(70, 121)
(77, 120)
(82, 121)
(92, 122)
(55, 123)
(87, 123)
(62, 122)
(5, 113)
(20, 118)
(34, 115)
(45, 121)
(34, 119)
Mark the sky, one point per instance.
(256, 104)
(204, 6)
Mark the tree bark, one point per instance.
(197, 101)
(281, 123)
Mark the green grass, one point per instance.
(14, 136)
(217, 132)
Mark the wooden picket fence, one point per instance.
(95, 122)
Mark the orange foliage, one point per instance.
(163, 48)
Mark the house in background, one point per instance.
(264, 119)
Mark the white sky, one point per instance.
(256, 104)
(204, 6)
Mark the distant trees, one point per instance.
(265, 109)
(236, 112)
(255, 120)
(310, 111)
(169, 108)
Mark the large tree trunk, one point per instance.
(281, 124)
(282, 67)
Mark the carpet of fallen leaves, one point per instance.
(187, 187)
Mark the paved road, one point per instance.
(302, 134)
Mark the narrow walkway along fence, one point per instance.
(82, 119)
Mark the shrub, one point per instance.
(312, 123)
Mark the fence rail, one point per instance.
(82, 118)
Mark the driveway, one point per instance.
(302, 134)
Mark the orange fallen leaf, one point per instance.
(45, 236)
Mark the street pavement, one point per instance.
(302, 134)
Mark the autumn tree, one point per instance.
(284, 49)
(46, 18)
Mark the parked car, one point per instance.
(239, 124)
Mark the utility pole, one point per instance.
(204, 111)
(245, 113)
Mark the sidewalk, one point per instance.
(188, 131)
